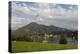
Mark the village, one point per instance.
(54, 38)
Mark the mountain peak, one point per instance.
(33, 23)
(39, 28)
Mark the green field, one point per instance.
(21, 46)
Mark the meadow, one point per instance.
(23, 46)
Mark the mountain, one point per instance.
(34, 28)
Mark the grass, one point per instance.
(21, 46)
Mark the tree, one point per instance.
(63, 40)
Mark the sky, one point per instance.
(60, 15)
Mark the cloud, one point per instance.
(61, 15)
